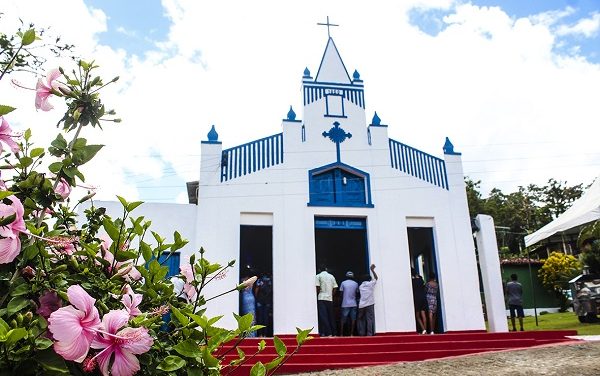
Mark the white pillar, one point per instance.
(489, 262)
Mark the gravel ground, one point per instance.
(581, 358)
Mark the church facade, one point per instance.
(332, 188)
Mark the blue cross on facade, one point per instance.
(337, 135)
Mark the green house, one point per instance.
(532, 285)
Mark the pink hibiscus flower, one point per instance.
(188, 288)
(126, 269)
(46, 88)
(6, 136)
(131, 301)
(10, 244)
(49, 302)
(74, 327)
(63, 189)
(120, 345)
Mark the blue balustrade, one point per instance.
(418, 164)
(354, 94)
(251, 157)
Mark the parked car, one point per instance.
(585, 290)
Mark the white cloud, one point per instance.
(493, 84)
(587, 27)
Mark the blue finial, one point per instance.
(306, 72)
(376, 120)
(291, 115)
(212, 135)
(449, 148)
(356, 75)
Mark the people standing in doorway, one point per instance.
(419, 300)
(326, 288)
(514, 294)
(349, 305)
(248, 303)
(263, 292)
(431, 291)
(366, 305)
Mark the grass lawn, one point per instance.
(559, 321)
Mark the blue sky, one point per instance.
(514, 87)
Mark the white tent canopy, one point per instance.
(586, 209)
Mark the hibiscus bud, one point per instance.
(19, 319)
(74, 263)
(231, 263)
(62, 90)
(27, 317)
(13, 323)
(247, 283)
(60, 268)
(103, 306)
(117, 120)
(28, 272)
(63, 295)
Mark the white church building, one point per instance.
(331, 188)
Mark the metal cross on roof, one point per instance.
(327, 24)
(337, 135)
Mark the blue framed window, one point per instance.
(339, 185)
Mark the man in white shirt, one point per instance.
(326, 287)
(366, 305)
(349, 306)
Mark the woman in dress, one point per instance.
(248, 304)
(431, 291)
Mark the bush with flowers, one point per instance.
(93, 297)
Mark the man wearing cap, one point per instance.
(349, 305)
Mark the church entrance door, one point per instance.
(256, 258)
(341, 245)
(423, 259)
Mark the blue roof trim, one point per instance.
(338, 53)
(419, 164)
(211, 142)
(324, 83)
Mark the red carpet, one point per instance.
(346, 352)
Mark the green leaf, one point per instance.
(261, 345)
(280, 347)
(3, 327)
(5, 194)
(36, 152)
(111, 229)
(25, 162)
(27, 134)
(123, 201)
(171, 363)
(133, 205)
(195, 372)
(21, 289)
(6, 109)
(14, 335)
(244, 322)
(302, 336)
(42, 343)
(125, 255)
(5, 221)
(59, 142)
(51, 361)
(209, 359)
(213, 320)
(180, 316)
(188, 348)
(85, 154)
(55, 167)
(16, 304)
(200, 320)
(258, 370)
(274, 363)
(28, 37)
(146, 251)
